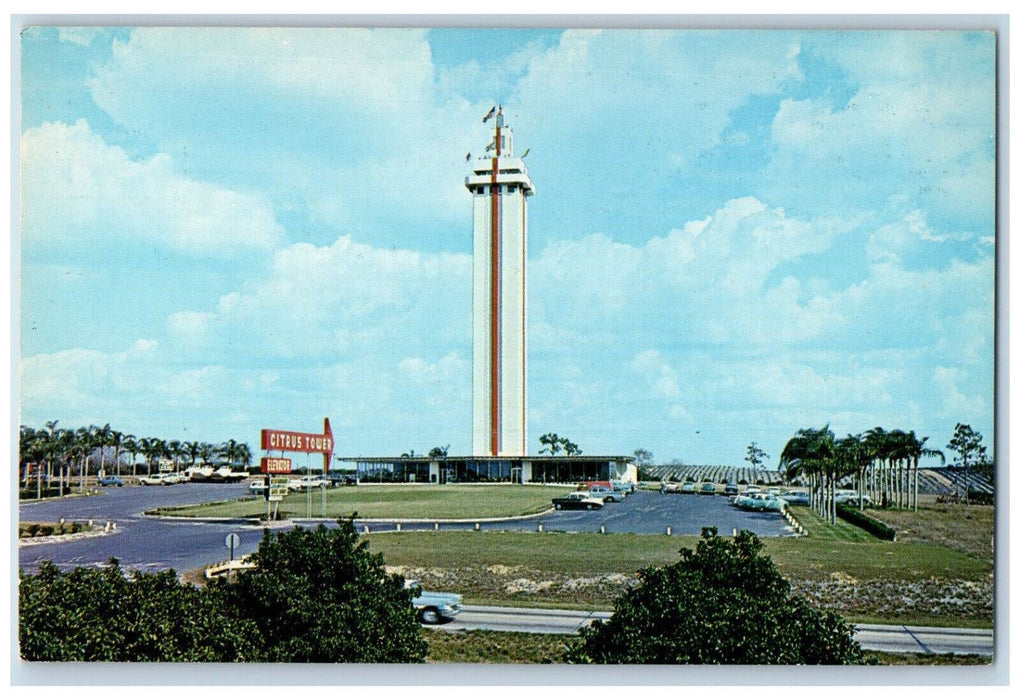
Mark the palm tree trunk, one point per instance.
(917, 478)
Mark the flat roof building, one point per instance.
(548, 469)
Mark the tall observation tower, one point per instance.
(500, 188)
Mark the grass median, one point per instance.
(446, 502)
(868, 581)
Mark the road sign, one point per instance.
(277, 488)
(275, 465)
(232, 541)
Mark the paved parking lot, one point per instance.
(144, 543)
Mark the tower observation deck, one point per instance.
(500, 188)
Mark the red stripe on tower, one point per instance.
(494, 310)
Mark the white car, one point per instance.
(309, 481)
(850, 497)
(152, 480)
(174, 478)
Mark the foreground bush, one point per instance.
(316, 595)
(723, 603)
(320, 595)
(108, 615)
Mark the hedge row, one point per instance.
(855, 516)
(47, 529)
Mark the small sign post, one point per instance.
(232, 541)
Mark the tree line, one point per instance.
(884, 464)
(60, 452)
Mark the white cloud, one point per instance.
(79, 191)
(662, 379)
(82, 36)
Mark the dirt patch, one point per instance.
(935, 598)
(967, 529)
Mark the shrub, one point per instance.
(103, 615)
(857, 517)
(316, 595)
(320, 596)
(723, 603)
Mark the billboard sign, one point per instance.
(290, 441)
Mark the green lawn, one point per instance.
(593, 554)
(391, 501)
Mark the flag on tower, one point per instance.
(488, 116)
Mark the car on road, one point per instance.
(152, 480)
(578, 500)
(111, 481)
(434, 607)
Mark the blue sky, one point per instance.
(735, 234)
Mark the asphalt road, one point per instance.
(145, 543)
(896, 639)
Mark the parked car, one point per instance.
(607, 495)
(688, 487)
(578, 500)
(669, 487)
(624, 486)
(850, 498)
(174, 478)
(111, 481)
(152, 480)
(257, 486)
(338, 479)
(796, 498)
(309, 481)
(434, 607)
(707, 489)
(759, 502)
(731, 490)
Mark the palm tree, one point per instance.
(810, 453)
(916, 450)
(84, 443)
(176, 450)
(192, 449)
(102, 437)
(235, 452)
(150, 448)
(552, 443)
(131, 446)
(206, 451)
(119, 441)
(879, 446)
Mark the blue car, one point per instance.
(110, 481)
